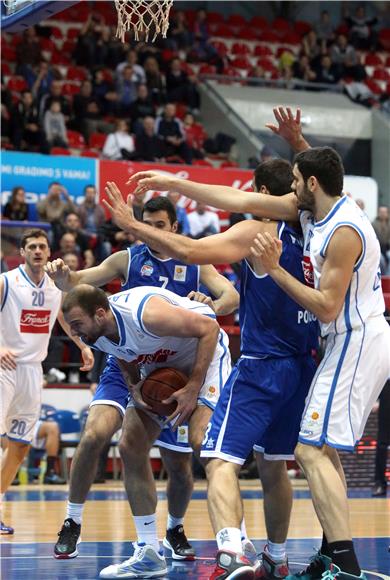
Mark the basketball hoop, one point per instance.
(148, 17)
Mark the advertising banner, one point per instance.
(35, 172)
(120, 172)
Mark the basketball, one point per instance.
(160, 385)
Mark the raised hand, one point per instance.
(59, 272)
(147, 180)
(267, 251)
(121, 212)
(289, 127)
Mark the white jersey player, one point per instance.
(152, 327)
(30, 305)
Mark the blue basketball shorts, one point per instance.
(260, 408)
(112, 390)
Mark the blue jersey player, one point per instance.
(140, 265)
(263, 400)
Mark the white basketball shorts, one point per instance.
(349, 379)
(20, 393)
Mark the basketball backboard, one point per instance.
(17, 15)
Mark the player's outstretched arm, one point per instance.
(289, 128)
(163, 319)
(226, 296)
(325, 303)
(86, 352)
(114, 266)
(220, 196)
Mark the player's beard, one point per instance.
(305, 199)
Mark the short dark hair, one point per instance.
(88, 186)
(276, 175)
(87, 297)
(161, 204)
(33, 233)
(325, 164)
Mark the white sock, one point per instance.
(74, 511)
(244, 535)
(146, 527)
(277, 551)
(172, 522)
(229, 539)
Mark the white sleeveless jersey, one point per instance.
(364, 298)
(28, 313)
(138, 345)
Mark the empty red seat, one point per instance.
(56, 32)
(73, 33)
(220, 47)
(259, 22)
(207, 69)
(246, 33)
(302, 27)
(241, 62)
(262, 50)
(373, 60)
(76, 73)
(373, 86)
(236, 20)
(5, 69)
(59, 151)
(89, 153)
(70, 89)
(280, 24)
(17, 84)
(8, 53)
(47, 44)
(268, 36)
(240, 48)
(97, 140)
(75, 139)
(224, 30)
(202, 163)
(381, 74)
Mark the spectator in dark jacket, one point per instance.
(170, 130)
(181, 87)
(27, 133)
(142, 107)
(148, 145)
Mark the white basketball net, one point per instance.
(146, 17)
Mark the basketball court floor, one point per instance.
(37, 513)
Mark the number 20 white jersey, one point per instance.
(28, 313)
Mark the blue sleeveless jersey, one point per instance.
(145, 269)
(272, 324)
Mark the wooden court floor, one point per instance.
(37, 513)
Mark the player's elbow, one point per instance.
(328, 313)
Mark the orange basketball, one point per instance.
(160, 385)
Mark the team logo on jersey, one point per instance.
(308, 271)
(157, 357)
(35, 321)
(180, 273)
(147, 269)
(315, 415)
(211, 392)
(182, 434)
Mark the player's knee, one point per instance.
(18, 449)
(217, 469)
(196, 437)
(180, 468)
(93, 440)
(131, 448)
(306, 455)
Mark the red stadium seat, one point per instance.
(97, 140)
(75, 139)
(269, 36)
(280, 25)
(73, 33)
(290, 37)
(17, 84)
(226, 164)
(259, 22)
(76, 73)
(266, 64)
(385, 283)
(47, 44)
(302, 27)
(224, 30)
(384, 38)
(207, 69)
(56, 32)
(214, 17)
(262, 50)
(236, 20)
(247, 33)
(89, 153)
(5, 69)
(202, 163)
(283, 49)
(240, 48)
(70, 89)
(59, 151)
(373, 60)
(8, 53)
(381, 74)
(241, 62)
(373, 86)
